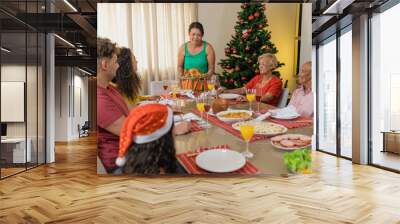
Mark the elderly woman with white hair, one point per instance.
(268, 85)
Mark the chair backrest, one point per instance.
(156, 87)
(283, 99)
(86, 125)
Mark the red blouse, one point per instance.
(273, 87)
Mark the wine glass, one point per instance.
(247, 132)
(174, 89)
(258, 98)
(215, 84)
(251, 96)
(200, 106)
(207, 107)
(165, 86)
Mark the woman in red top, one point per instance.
(269, 85)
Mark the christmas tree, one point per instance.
(251, 40)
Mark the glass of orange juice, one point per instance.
(174, 90)
(251, 96)
(200, 105)
(247, 132)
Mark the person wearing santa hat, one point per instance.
(112, 110)
(146, 141)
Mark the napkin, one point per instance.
(188, 116)
(289, 111)
(263, 116)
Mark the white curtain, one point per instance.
(153, 32)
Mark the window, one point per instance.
(346, 93)
(327, 96)
(385, 84)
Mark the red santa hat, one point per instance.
(144, 124)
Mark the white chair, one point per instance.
(283, 99)
(156, 87)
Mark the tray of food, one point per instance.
(234, 115)
(291, 141)
(262, 127)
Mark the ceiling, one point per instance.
(75, 21)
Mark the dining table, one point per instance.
(267, 159)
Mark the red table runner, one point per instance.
(228, 127)
(188, 160)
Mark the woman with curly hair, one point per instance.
(146, 141)
(127, 80)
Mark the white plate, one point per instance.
(294, 116)
(220, 160)
(224, 119)
(229, 96)
(262, 127)
(290, 148)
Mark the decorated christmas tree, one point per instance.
(251, 40)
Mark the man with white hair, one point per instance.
(302, 98)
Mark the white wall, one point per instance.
(218, 20)
(71, 93)
(306, 31)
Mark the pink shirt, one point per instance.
(303, 101)
(110, 107)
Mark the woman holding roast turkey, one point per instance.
(196, 59)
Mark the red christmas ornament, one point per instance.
(237, 68)
(228, 67)
(260, 26)
(247, 48)
(234, 51)
(249, 61)
(250, 18)
(250, 30)
(244, 78)
(256, 14)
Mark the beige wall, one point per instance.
(282, 23)
(219, 19)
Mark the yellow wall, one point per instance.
(282, 21)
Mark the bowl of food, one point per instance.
(234, 115)
(262, 127)
(291, 141)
